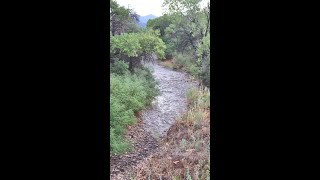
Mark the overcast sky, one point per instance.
(144, 7)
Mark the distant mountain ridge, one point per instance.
(144, 19)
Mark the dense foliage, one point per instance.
(132, 87)
(161, 23)
(185, 29)
(136, 47)
(128, 93)
(122, 19)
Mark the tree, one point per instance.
(122, 19)
(137, 47)
(191, 22)
(161, 23)
(190, 32)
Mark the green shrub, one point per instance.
(119, 67)
(128, 94)
(149, 83)
(179, 61)
(205, 74)
(186, 63)
(198, 69)
(169, 51)
(193, 69)
(192, 95)
(203, 53)
(117, 143)
(183, 61)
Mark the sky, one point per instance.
(144, 7)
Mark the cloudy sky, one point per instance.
(144, 7)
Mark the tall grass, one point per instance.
(185, 152)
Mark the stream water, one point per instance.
(170, 103)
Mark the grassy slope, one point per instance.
(185, 152)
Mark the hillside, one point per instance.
(144, 19)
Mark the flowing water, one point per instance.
(170, 103)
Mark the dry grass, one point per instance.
(167, 63)
(185, 152)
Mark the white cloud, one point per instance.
(144, 7)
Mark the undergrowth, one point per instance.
(129, 93)
(191, 66)
(185, 151)
(166, 63)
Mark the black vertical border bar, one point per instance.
(102, 86)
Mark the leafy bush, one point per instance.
(128, 94)
(133, 47)
(119, 67)
(203, 52)
(179, 61)
(185, 62)
(149, 83)
(169, 51)
(193, 69)
(199, 69)
(205, 75)
(117, 143)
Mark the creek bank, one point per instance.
(155, 120)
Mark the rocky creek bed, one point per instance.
(155, 120)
